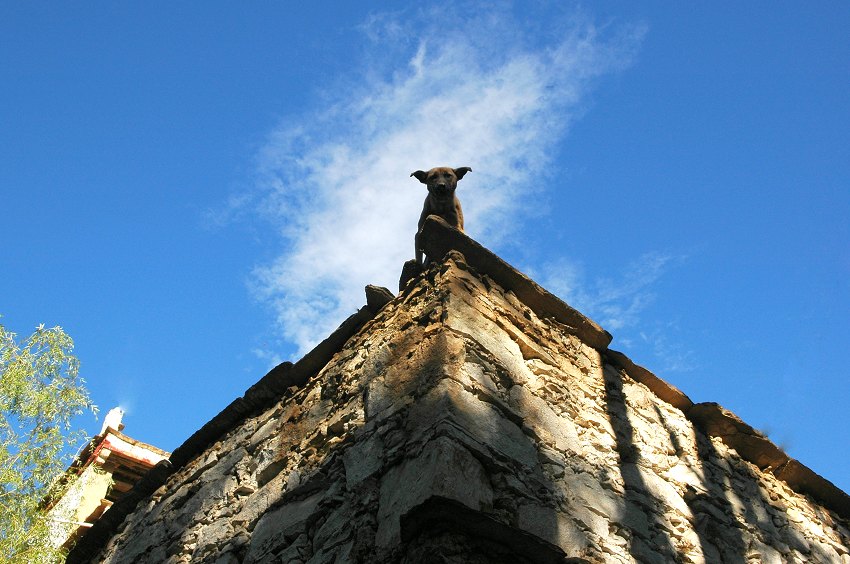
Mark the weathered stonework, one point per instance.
(465, 424)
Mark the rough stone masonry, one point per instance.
(473, 418)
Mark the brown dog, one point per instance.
(441, 200)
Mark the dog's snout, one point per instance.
(441, 188)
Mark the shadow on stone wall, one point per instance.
(738, 491)
(719, 542)
(733, 515)
(647, 539)
(713, 510)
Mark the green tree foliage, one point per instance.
(40, 393)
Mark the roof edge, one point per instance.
(438, 238)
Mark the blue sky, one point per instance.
(196, 192)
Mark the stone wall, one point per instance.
(460, 426)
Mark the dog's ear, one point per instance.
(459, 172)
(421, 176)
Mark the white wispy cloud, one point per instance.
(433, 91)
(672, 354)
(614, 303)
(267, 356)
(620, 303)
(234, 209)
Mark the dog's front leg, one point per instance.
(418, 247)
(417, 240)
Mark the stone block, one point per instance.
(803, 479)
(363, 459)
(475, 324)
(227, 558)
(278, 527)
(538, 414)
(654, 486)
(336, 528)
(586, 493)
(449, 402)
(444, 468)
(751, 444)
(763, 554)
(377, 297)
(552, 526)
(443, 530)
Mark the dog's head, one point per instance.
(441, 181)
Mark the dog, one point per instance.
(441, 200)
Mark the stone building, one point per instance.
(476, 418)
(106, 469)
